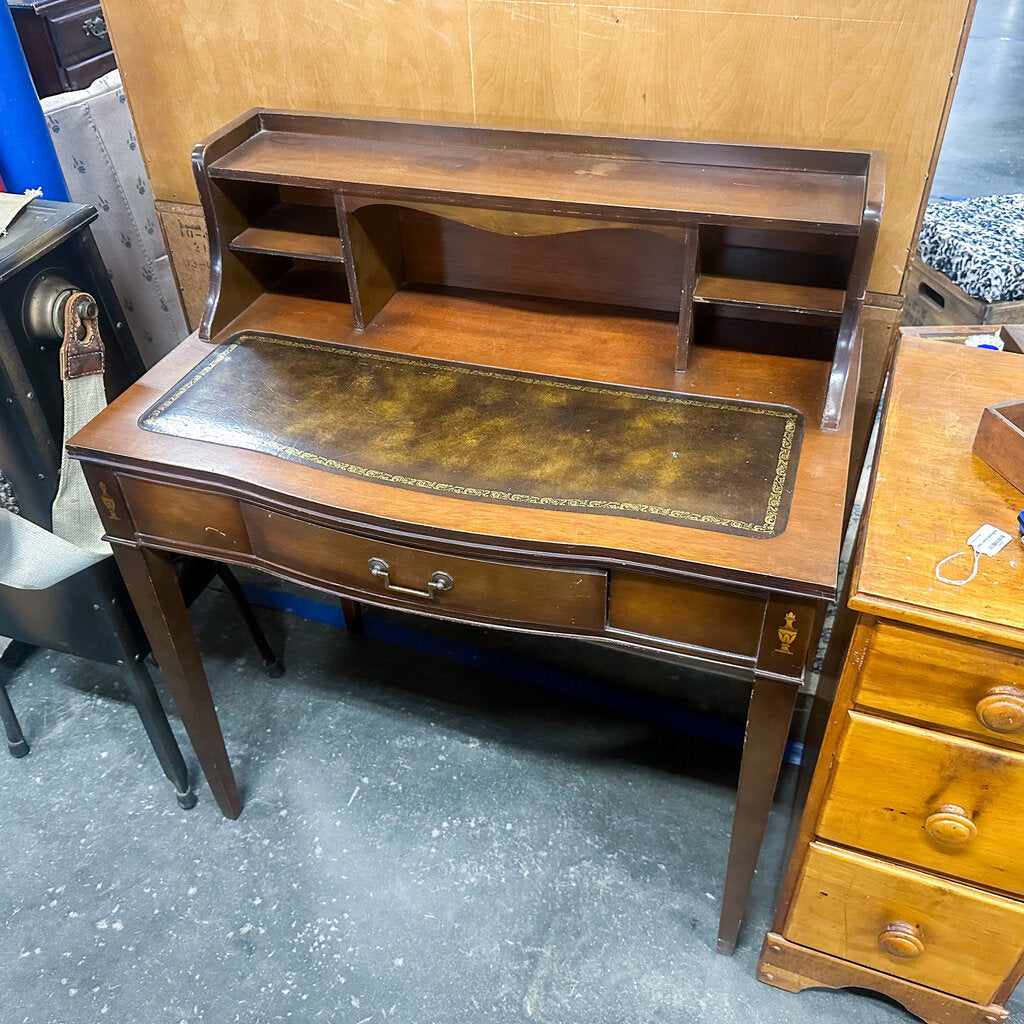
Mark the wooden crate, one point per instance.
(933, 300)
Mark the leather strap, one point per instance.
(82, 354)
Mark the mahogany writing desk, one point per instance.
(578, 386)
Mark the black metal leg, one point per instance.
(147, 702)
(15, 654)
(15, 738)
(158, 729)
(271, 666)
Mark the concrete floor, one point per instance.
(982, 154)
(422, 842)
(426, 839)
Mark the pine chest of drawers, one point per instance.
(907, 876)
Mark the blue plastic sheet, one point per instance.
(27, 156)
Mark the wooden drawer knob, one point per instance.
(1002, 709)
(901, 940)
(951, 825)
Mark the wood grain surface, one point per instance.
(931, 492)
(526, 172)
(926, 677)
(794, 968)
(617, 349)
(708, 617)
(845, 901)
(893, 778)
(511, 593)
(855, 73)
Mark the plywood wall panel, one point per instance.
(526, 62)
(843, 73)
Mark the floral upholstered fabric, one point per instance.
(978, 244)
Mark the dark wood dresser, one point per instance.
(65, 42)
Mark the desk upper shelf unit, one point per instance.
(749, 248)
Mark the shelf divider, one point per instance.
(691, 274)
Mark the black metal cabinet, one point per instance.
(47, 255)
(65, 42)
(49, 243)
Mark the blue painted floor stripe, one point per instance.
(555, 680)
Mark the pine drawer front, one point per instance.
(570, 599)
(972, 688)
(182, 516)
(943, 803)
(920, 927)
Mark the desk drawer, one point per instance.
(181, 515)
(972, 688)
(940, 934)
(79, 34)
(936, 801)
(86, 72)
(701, 616)
(571, 599)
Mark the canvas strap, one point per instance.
(32, 558)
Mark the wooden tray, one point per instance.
(1000, 440)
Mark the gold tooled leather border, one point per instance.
(766, 528)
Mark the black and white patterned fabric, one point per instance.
(7, 499)
(978, 244)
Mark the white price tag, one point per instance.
(988, 540)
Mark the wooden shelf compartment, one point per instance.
(762, 249)
(408, 248)
(289, 229)
(651, 181)
(742, 329)
(791, 298)
(315, 281)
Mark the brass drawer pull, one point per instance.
(438, 582)
(951, 825)
(1002, 709)
(901, 940)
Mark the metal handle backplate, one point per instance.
(438, 582)
(95, 27)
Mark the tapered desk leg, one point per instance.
(153, 585)
(353, 613)
(768, 722)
